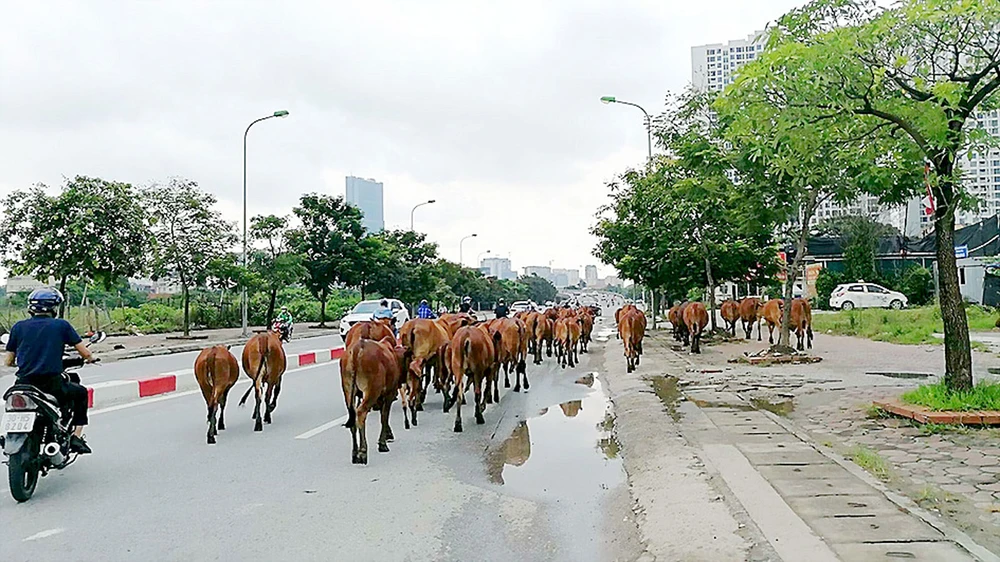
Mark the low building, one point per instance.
(24, 284)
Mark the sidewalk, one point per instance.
(716, 475)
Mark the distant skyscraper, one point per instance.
(497, 267)
(714, 66)
(590, 274)
(367, 196)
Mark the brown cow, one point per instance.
(751, 311)
(472, 355)
(552, 313)
(371, 373)
(772, 315)
(217, 371)
(565, 341)
(264, 363)
(730, 311)
(530, 324)
(681, 333)
(631, 327)
(369, 330)
(543, 335)
(802, 322)
(424, 341)
(586, 327)
(575, 335)
(508, 338)
(695, 320)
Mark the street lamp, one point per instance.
(415, 208)
(480, 256)
(649, 123)
(243, 300)
(461, 262)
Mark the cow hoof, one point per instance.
(383, 448)
(267, 418)
(258, 426)
(211, 440)
(458, 427)
(526, 384)
(406, 424)
(389, 436)
(480, 419)
(517, 389)
(506, 384)
(222, 426)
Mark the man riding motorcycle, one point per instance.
(385, 313)
(466, 305)
(425, 311)
(36, 345)
(283, 322)
(501, 310)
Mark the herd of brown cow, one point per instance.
(451, 354)
(690, 323)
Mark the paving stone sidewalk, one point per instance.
(794, 485)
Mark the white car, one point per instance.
(849, 296)
(365, 309)
(521, 306)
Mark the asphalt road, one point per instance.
(539, 481)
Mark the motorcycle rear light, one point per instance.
(18, 402)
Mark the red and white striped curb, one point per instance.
(112, 393)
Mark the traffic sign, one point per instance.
(961, 251)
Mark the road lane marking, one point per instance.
(243, 381)
(44, 534)
(316, 431)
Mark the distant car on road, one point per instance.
(849, 296)
(365, 309)
(521, 306)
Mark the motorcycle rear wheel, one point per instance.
(22, 470)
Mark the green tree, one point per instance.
(94, 230)
(826, 282)
(330, 242)
(276, 265)
(920, 70)
(189, 235)
(539, 289)
(404, 265)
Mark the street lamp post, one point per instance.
(461, 262)
(243, 299)
(479, 258)
(415, 208)
(649, 123)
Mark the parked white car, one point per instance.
(849, 296)
(365, 309)
(521, 306)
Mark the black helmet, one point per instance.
(500, 300)
(44, 300)
(384, 302)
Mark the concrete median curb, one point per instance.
(114, 393)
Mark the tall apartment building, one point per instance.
(545, 272)
(590, 275)
(981, 173)
(497, 267)
(714, 66)
(366, 194)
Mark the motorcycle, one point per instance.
(35, 429)
(283, 330)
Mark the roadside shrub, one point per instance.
(151, 317)
(918, 286)
(825, 284)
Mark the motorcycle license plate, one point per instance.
(17, 422)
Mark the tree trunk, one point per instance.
(270, 306)
(711, 293)
(187, 310)
(322, 308)
(792, 272)
(957, 348)
(62, 290)
(652, 299)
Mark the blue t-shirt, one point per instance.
(38, 344)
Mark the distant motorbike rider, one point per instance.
(425, 311)
(36, 346)
(501, 311)
(385, 313)
(283, 322)
(466, 305)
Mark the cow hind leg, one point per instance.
(362, 456)
(480, 402)
(506, 374)
(458, 413)
(257, 426)
(267, 403)
(386, 434)
(211, 425)
(222, 409)
(809, 333)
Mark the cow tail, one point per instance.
(352, 412)
(466, 353)
(260, 367)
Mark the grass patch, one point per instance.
(984, 396)
(911, 326)
(873, 412)
(871, 462)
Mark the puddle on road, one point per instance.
(665, 387)
(900, 375)
(569, 452)
(783, 408)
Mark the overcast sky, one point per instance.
(492, 108)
